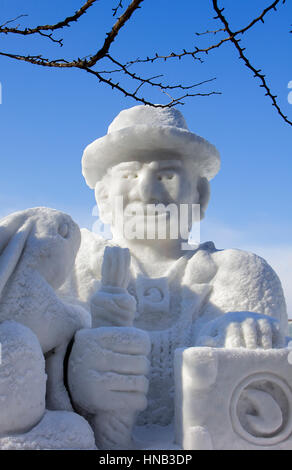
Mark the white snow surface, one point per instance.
(141, 115)
(22, 379)
(204, 286)
(58, 430)
(39, 247)
(140, 130)
(24, 423)
(37, 252)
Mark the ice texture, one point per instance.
(207, 284)
(39, 247)
(148, 299)
(22, 379)
(24, 423)
(58, 430)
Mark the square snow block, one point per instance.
(233, 398)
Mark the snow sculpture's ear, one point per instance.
(204, 191)
(101, 197)
(14, 231)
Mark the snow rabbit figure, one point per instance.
(37, 251)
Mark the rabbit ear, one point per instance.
(9, 225)
(13, 249)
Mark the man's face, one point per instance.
(141, 185)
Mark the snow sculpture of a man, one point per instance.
(218, 298)
(149, 295)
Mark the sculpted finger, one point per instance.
(126, 273)
(106, 267)
(118, 266)
(116, 310)
(114, 272)
(122, 318)
(124, 340)
(233, 337)
(128, 400)
(123, 363)
(125, 383)
(250, 334)
(126, 301)
(278, 337)
(207, 341)
(266, 334)
(102, 317)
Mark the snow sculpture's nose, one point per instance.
(148, 188)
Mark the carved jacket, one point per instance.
(200, 286)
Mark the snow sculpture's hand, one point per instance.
(112, 308)
(242, 329)
(112, 305)
(107, 369)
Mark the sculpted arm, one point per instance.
(246, 307)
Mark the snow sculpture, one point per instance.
(38, 247)
(147, 295)
(99, 390)
(230, 399)
(182, 298)
(25, 424)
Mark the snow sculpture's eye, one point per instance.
(130, 175)
(64, 230)
(165, 176)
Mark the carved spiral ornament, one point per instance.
(261, 409)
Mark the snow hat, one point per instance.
(143, 129)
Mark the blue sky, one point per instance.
(48, 116)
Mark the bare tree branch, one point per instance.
(171, 103)
(39, 29)
(197, 51)
(12, 21)
(257, 73)
(80, 63)
(210, 32)
(48, 27)
(134, 76)
(126, 69)
(110, 37)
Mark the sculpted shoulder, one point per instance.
(246, 266)
(84, 279)
(90, 254)
(246, 282)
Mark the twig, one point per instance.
(110, 37)
(12, 21)
(134, 76)
(173, 102)
(48, 27)
(115, 10)
(242, 56)
(210, 32)
(88, 62)
(197, 50)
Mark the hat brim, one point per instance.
(128, 143)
